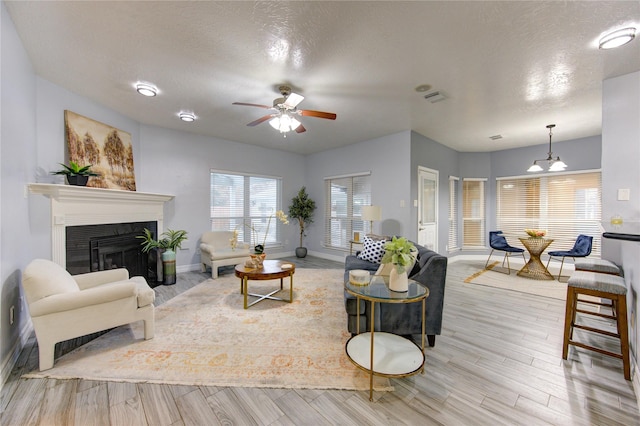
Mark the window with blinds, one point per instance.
(566, 205)
(240, 202)
(473, 214)
(344, 198)
(453, 214)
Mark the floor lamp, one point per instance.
(371, 213)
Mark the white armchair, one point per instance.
(216, 251)
(63, 306)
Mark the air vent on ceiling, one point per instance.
(495, 137)
(434, 97)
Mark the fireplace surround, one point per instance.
(74, 206)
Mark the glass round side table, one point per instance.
(381, 353)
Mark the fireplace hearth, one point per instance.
(75, 207)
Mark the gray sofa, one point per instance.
(430, 270)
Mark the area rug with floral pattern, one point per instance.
(204, 336)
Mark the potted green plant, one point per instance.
(399, 252)
(76, 174)
(166, 247)
(302, 208)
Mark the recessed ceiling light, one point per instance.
(187, 116)
(617, 38)
(146, 89)
(423, 88)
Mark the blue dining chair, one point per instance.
(581, 248)
(497, 241)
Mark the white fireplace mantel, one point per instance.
(78, 205)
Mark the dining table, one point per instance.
(534, 268)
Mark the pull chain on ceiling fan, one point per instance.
(284, 110)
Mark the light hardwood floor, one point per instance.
(497, 362)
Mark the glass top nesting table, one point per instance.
(389, 354)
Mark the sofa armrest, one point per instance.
(93, 279)
(93, 296)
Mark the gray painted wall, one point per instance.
(428, 153)
(387, 159)
(179, 163)
(17, 160)
(621, 169)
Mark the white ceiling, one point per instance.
(507, 68)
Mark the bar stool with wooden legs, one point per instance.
(606, 286)
(602, 266)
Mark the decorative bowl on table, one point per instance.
(359, 277)
(536, 233)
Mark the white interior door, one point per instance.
(428, 208)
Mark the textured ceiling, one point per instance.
(507, 68)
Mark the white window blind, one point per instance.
(345, 196)
(453, 214)
(239, 202)
(473, 214)
(566, 205)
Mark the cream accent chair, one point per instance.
(216, 251)
(64, 307)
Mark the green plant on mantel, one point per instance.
(74, 169)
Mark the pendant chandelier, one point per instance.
(555, 165)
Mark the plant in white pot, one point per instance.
(166, 246)
(302, 208)
(400, 253)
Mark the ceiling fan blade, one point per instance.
(293, 100)
(319, 114)
(260, 120)
(300, 129)
(254, 105)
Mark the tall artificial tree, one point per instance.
(302, 208)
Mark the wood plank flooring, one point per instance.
(497, 362)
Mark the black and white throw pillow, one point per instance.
(372, 249)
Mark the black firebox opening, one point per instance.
(92, 248)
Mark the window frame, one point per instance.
(575, 197)
(351, 221)
(242, 223)
(474, 240)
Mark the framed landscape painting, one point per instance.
(107, 149)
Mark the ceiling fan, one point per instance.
(284, 109)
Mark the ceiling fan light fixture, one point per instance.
(145, 89)
(187, 116)
(617, 38)
(284, 123)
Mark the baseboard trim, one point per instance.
(10, 360)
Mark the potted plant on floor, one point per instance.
(398, 252)
(166, 247)
(76, 174)
(302, 208)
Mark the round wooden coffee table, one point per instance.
(271, 270)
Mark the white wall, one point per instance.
(17, 160)
(621, 169)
